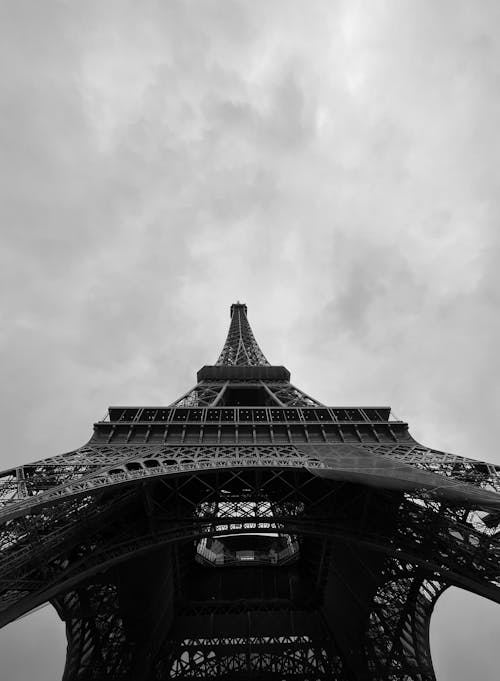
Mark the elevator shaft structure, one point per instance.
(247, 531)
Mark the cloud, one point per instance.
(334, 167)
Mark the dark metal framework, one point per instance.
(247, 531)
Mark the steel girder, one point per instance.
(97, 466)
(281, 394)
(241, 348)
(71, 541)
(113, 535)
(268, 657)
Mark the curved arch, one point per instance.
(435, 540)
(170, 461)
(98, 466)
(398, 633)
(135, 544)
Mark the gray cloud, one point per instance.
(334, 166)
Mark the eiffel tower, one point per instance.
(247, 531)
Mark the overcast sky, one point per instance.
(332, 164)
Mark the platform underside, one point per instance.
(250, 574)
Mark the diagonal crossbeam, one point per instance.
(241, 348)
(221, 536)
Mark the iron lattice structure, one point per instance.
(247, 531)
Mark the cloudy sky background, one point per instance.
(332, 164)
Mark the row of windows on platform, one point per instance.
(270, 415)
(249, 434)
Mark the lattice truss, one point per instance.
(281, 394)
(449, 547)
(415, 519)
(45, 551)
(280, 657)
(397, 639)
(241, 348)
(96, 465)
(97, 642)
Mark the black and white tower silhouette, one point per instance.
(247, 531)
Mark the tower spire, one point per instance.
(241, 348)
